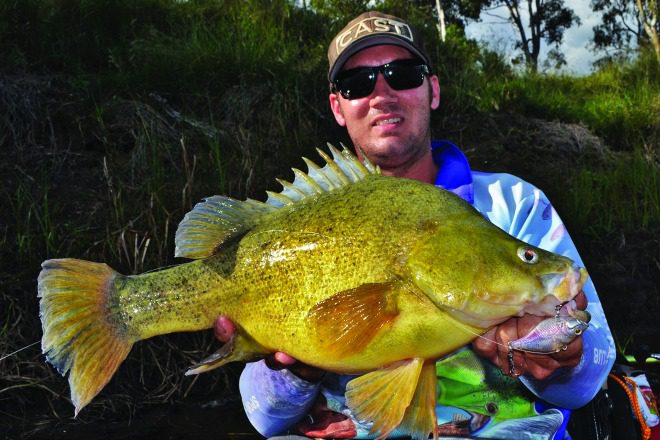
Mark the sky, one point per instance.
(499, 34)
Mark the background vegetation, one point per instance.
(117, 116)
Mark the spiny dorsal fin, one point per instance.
(342, 169)
(220, 218)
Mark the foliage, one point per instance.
(620, 24)
(626, 22)
(623, 197)
(619, 101)
(339, 11)
(165, 45)
(547, 21)
(92, 30)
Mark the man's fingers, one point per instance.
(572, 355)
(485, 344)
(284, 359)
(224, 328)
(541, 366)
(581, 301)
(280, 360)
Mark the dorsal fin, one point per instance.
(219, 218)
(342, 169)
(212, 222)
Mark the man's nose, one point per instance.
(382, 89)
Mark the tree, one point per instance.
(542, 20)
(455, 12)
(442, 25)
(538, 21)
(627, 22)
(340, 10)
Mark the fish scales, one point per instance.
(331, 256)
(291, 260)
(353, 273)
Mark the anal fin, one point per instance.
(239, 348)
(382, 396)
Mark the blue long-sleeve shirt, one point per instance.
(276, 400)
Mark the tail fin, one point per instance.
(79, 335)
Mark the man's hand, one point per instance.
(224, 329)
(493, 345)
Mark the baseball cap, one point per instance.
(373, 28)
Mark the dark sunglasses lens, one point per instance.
(356, 84)
(400, 75)
(404, 77)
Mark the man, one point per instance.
(383, 92)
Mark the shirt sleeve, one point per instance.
(524, 211)
(274, 400)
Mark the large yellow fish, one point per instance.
(345, 269)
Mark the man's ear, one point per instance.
(335, 106)
(435, 92)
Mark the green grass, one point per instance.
(623, 196)
(36, 233)
(619, 102)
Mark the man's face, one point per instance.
(392, 127)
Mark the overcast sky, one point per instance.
(579, 57)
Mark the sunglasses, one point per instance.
(399, 75)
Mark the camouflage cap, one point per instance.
(373, 28)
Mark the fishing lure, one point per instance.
(551, 335)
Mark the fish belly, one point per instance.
(360, 342)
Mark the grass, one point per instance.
(35, 232)
(619, 102)
(623, 196)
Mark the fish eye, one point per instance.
(528, 255)
(578, 331)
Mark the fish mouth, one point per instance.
(558, 289)
(565, 286)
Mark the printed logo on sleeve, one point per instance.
(600, 356)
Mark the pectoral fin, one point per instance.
(420, 417)
(348, 321)
(239, 348)
(382, 396)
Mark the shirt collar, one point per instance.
(454, 173)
